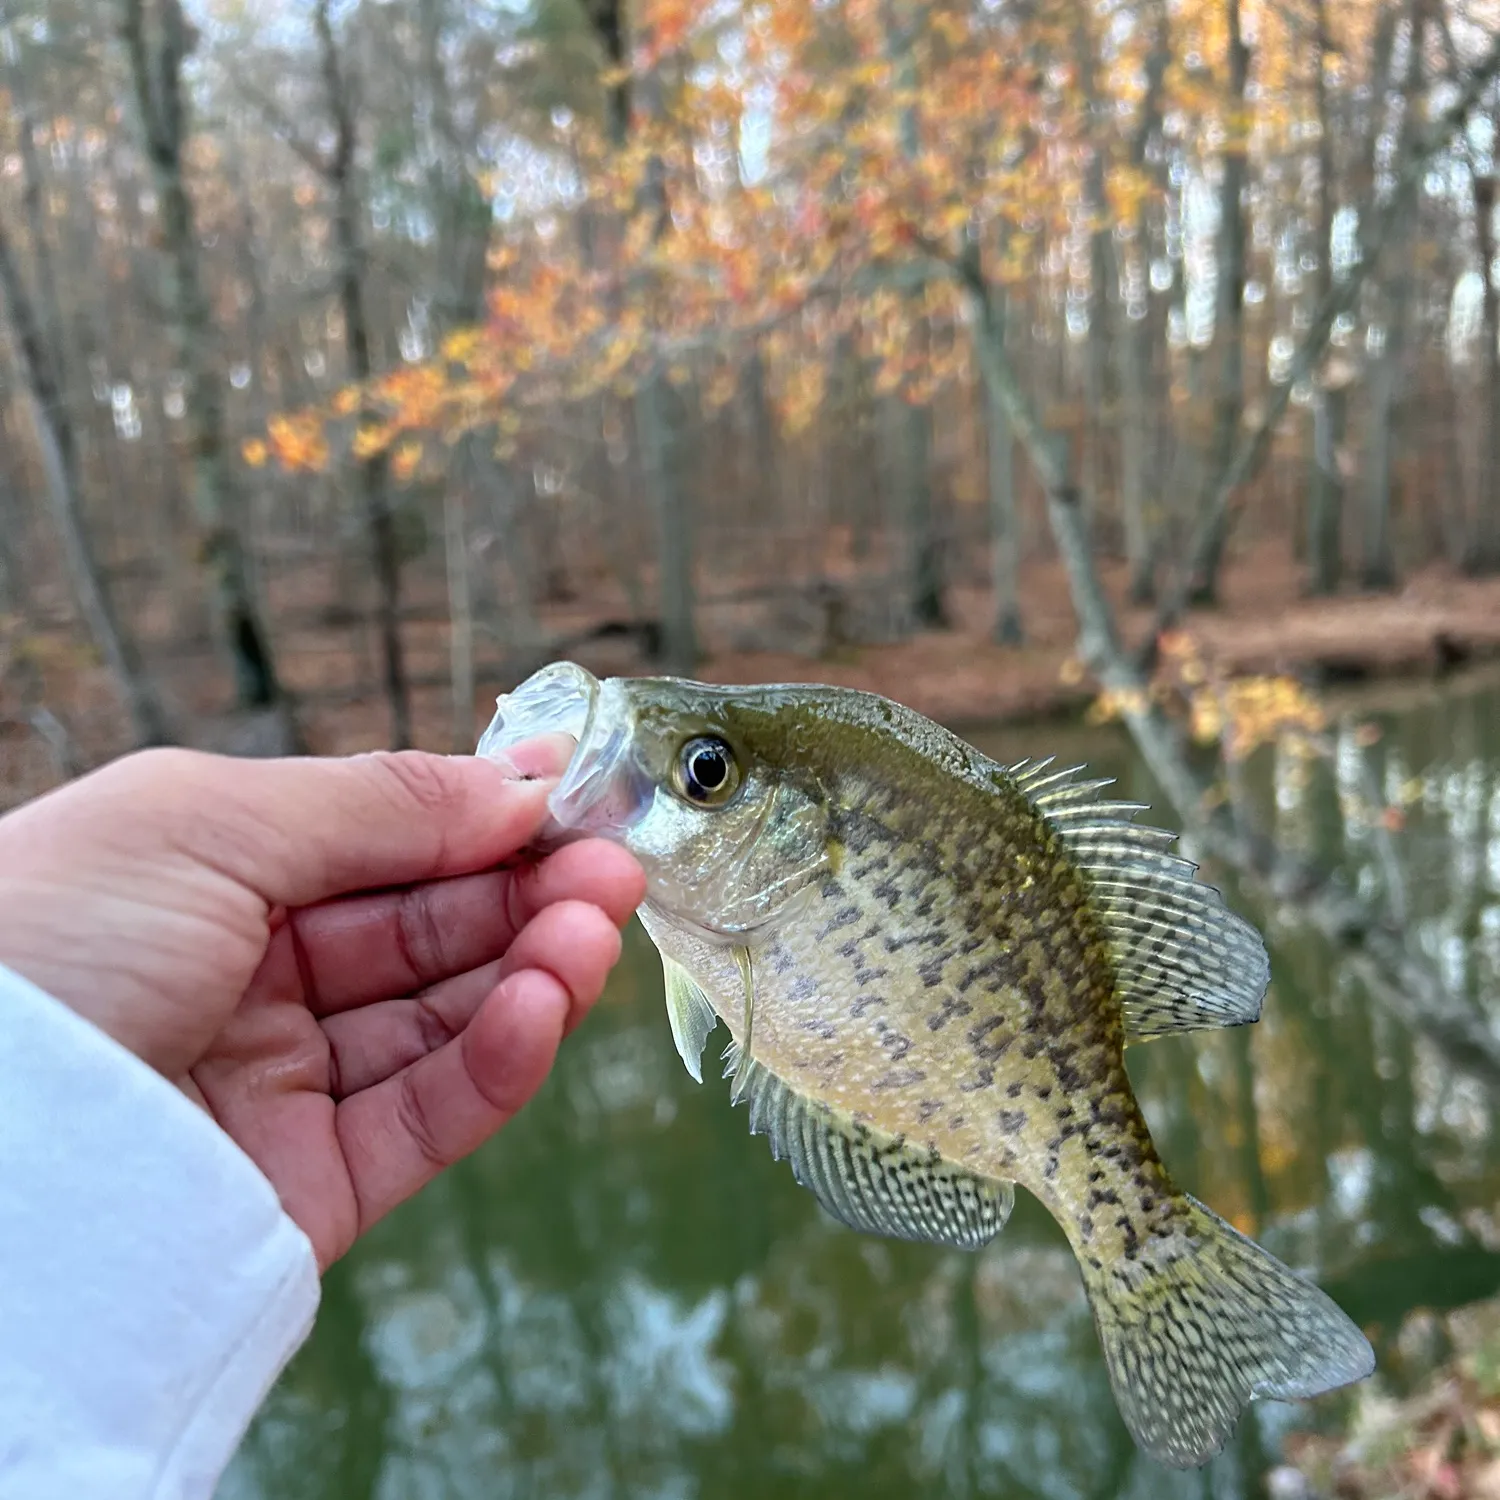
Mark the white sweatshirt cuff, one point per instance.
(151, 1286)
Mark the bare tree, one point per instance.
(337, 168)
(1230, 322)
(59, 454)
(157, 47)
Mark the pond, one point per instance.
(624, 1296)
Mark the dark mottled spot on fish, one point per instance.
(927, 1108)
(972, 975)
(951, 1007)
(1011, 1121)
(898, 1078)
(930, 970)
(983, 1078)
(986, 1043)
(897, 1045)
(845, 917)
(1014, 1090)
(803, 987)
(820, 1028)
(848, 949)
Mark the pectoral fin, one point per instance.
(690, 1013)
(865, 1178)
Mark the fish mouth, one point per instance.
(604, 791)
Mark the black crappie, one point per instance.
(930, 965)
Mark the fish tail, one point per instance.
(1207, 1324)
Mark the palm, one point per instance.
(385, 1036)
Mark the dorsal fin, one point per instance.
(869, 1180)
(1183, 960)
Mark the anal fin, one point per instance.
(869, 1180)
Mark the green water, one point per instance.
(624, 1296)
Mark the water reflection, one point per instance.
(624, 1295)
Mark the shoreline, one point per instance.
(1437, 627)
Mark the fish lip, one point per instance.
(559, 698)
(603, 790)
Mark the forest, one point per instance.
(1029, 360)
(360, 357)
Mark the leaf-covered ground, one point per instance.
(1439, 1441)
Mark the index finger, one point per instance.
(381, 945)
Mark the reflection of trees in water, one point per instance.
(625, 1296)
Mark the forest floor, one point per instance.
(1435, 621)
(1440, 1440)
(1264, 624)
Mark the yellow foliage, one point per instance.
(298, 441)
(877, 164)
(405, 460)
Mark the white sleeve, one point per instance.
(151, 1286)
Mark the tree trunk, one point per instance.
(156, 73)
(1326, 514)
(1133, 359)
(1097, 351)
(1230, 320)
(1140, 459)
(1378, 568)
(460, 618)
(465, 220)
(662, 476)
(1004, 529)
(924, 581)
(1484, 551)
(924, 573)
(372, 475)
(59, 454)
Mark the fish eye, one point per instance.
(706, 772)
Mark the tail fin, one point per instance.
(1191, 1341)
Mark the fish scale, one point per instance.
(1038, 985)
(930, 965)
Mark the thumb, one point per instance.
(301, 829)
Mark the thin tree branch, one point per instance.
(1376, 226)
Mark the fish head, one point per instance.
(688, 777)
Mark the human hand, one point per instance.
(343, 961)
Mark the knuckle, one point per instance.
(419, 937)
(432, 1024)
(415, 1121)
(166, 765)
(418, 779)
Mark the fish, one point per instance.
(929, 965)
